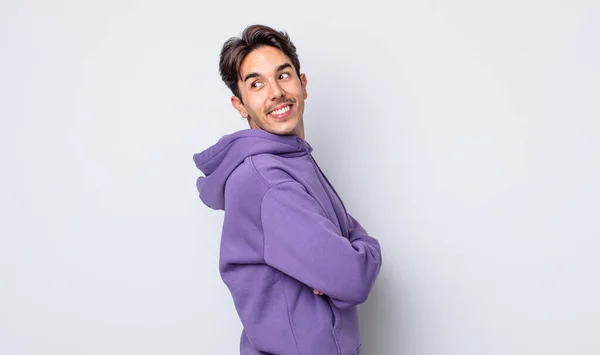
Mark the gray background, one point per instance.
(463, 135)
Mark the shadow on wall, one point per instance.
(384, 318)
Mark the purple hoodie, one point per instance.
(285, 233)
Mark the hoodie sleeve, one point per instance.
(300, 241)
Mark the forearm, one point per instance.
(367, 272)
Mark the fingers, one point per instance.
(317, 292)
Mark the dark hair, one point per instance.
(236, 49)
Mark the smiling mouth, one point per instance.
(281, 111)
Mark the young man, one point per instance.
(296, 263)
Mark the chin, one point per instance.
(291, 126)
(283, 128)
(281, 132)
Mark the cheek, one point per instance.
(299, 91)
(257, 103)
(249, 102)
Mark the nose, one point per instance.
(276, 91)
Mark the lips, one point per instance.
(281, 112)
(280, 106)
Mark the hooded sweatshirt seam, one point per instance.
(260, 176)
(287, 308)
(232, 142)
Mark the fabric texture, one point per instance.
(285, 233)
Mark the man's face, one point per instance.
(272, 92)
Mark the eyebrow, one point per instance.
(279, 68)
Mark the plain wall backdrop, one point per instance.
(464, 135)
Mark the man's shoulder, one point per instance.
(255, 168)
(262, 171)
(274, 169)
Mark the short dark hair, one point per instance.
(236, 49)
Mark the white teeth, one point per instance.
(281, 111)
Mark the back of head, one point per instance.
(236, 49)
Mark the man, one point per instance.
(296, 263)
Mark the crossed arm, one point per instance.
(303, 243)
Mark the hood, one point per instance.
(220, 160)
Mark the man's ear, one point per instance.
(238, 105)
(304, 82)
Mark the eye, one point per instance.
(284, 75)
(256, 85)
